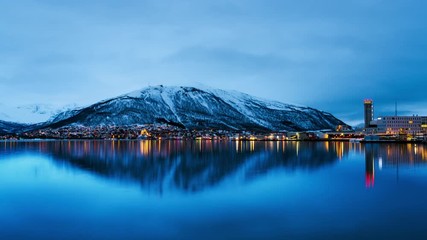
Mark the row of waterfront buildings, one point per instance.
(413, 126)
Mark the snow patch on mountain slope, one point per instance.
(239, 101)
(166, 96)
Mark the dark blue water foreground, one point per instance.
(212, 190)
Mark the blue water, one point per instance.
(212, 190)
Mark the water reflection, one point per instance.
(391, 155)
(189, 166)
(193, 166)
(369, 166)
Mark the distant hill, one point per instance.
(10, 127)
(31, 113)
(196, 108)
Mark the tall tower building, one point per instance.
(369, 111)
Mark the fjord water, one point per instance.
(212, 190)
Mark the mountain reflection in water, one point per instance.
(212, 190)
(184, 165)
(193, 166)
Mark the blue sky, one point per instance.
(325, 54)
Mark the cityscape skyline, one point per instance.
(329, 56)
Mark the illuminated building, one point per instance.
(402, 125)
(369, 112)
(411, 125)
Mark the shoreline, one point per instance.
(211, 140)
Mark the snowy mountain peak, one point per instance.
(197, 108)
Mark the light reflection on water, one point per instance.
(210, 189)
(192, 166)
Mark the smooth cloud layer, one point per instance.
(325, 54)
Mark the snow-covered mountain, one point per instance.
(10, 127)
(196, 108)
(31, 113)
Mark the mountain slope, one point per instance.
(195, 108)
(10, 127)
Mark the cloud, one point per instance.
(326, 54)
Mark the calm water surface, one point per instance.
(212, 190)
